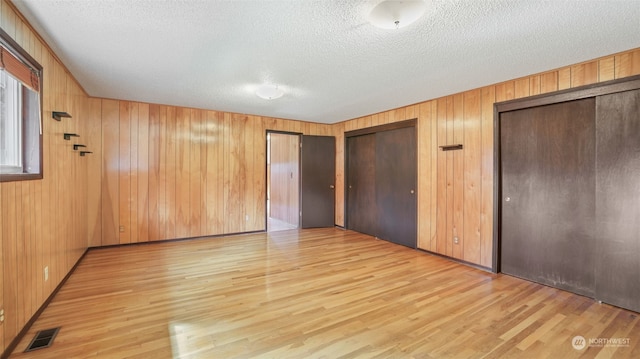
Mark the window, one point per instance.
(20, 113)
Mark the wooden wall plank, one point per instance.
(215, 173)
(163, 178)
(450, 172)
(142, 174)
(48, 196)
(195, 173)
(8, 20)
(154, 189)
(124, 174)
(171, 195)
(36, 259)
(522, 87)
(412, 111)
(94, 172)
(564, 78)
(442, 179)
(434, 176)
(183, 162)
(133, 173)
(504, 91)
(221, 151)
(231, 201)
(472, 176)
(61, 182)
(24, 282)
(584, 74)
(549, 82)
(486, 201)
(10, 252)
(375, 120)
(251, 172)
(457, 180)
(240, 185)
(205, 139)
(260, 174)
(607, 69)
(110, 172)
(423, 129)
(627, 64)
(534, 85)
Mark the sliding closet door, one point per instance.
(361, 185)
(548, 202)
(396, 171)
(618, 199)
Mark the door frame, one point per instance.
(413, 122)
(593, 90)
(267, 179)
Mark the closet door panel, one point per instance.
(361, 185)
(618, 199)
(396, 176)
(548, 201)
(317, 185)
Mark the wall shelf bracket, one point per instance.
(451, 147)
(67, 136)
(58, 115)
(76, 146)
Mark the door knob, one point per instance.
(412, 191)
(507, 199)
(350, 187)
(332, 186)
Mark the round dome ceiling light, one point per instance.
(394, 14)
(269, 92)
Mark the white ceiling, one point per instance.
(332, 64)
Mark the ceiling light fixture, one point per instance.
(269, 92)
(394, 14)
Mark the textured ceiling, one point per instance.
(332, 64)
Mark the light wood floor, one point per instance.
(322, 293)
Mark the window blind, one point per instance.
(19, 70)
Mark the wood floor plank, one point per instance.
(319, 293)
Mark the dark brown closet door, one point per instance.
(361, 185)
(618, 199)
(317, 179)
(396, 176)
(548, 200)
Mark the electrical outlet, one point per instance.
(46, 273)
(121, 229)
(456, 240)
(246, 218)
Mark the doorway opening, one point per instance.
(283, 181)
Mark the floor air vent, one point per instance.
(43, 339)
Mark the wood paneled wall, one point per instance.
(42, 222)
(455, 188)
(170, 172)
